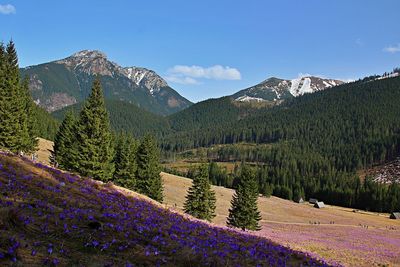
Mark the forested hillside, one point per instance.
(205, 114)
(318, 141)
(126, 117)
(354, 124)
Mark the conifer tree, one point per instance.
(64, 152)
(148, 169)
(16, 115)
(10, 102)
(94, 140)
(244, 212)
(200, 200)
(3, 97)
(125, 161)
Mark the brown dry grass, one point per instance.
(275, 209)
(44, 148)
(292, 224)
(184, 166)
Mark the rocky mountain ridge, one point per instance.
(276, 89)
(64, 82)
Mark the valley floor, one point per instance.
(338, 234)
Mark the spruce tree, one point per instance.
(244, 212)
(64, 152)
(17, 119)
(125, 162)
(148, 169)
(200, 200)
(3, 96)
(94, 141)
(11, 112)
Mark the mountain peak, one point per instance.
(92, 62)
(89, 54)
(276, 89)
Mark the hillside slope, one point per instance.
(125, 117)
(53, 218)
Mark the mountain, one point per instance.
(276, 89)
(246, 103)
(64, 82)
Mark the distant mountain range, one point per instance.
(68, 81)
(64, 82)
(276, 89)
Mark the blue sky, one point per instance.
(213, 48)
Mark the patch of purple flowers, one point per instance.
(86, 217)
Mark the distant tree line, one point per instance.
(292, 177)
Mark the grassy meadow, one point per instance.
(356, 238)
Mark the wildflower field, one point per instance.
(339, 235)
(48, 217)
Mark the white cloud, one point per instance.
(392, 49)
(181, 80)
(302, 75)
(190, 74)
(7, 9)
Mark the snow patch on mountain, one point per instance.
(276, 89)
(306, 88)
(146, 78)
(246, 98)
(136, 74)
(294, 86)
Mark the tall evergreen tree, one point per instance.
(94, 141)
(244, 212)
(148, 169)
(16, 117)
(64, 152)
(200, 200)
(10, 100)
(4, 117)
(125, 161)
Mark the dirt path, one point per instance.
(326, 224)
